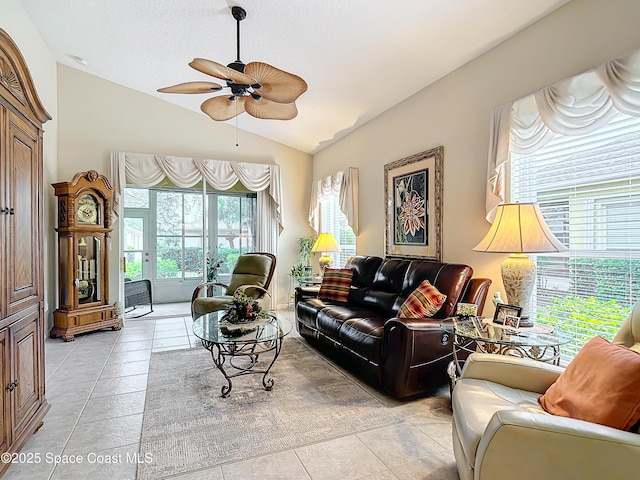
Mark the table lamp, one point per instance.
(325, 242)
(518, 229)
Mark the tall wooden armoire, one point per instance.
(22, 399)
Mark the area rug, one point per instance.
(187, 426)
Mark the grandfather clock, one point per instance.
(84, 226)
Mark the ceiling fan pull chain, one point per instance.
(237, 134)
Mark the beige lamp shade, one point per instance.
(325, 242)
(518, 229)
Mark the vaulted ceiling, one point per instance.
(359, 57)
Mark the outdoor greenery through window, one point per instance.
(165, 238)
(333, 221)
(588, 189)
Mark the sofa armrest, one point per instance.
(476, 292)
(532, 445)
(514, 372)
(303, 293)
(415, 354)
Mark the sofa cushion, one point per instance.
(336, 283)
(424, 301)
(474, 402)
(600, 385)
(363, 336)
(365, 268)
(449, 278)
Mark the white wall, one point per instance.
(455, 112)
(42, 66)
(97, 117)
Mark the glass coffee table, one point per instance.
(539, 342)
(242, 344)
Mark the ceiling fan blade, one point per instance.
(276, 84)
(192, 87)
(265, 108)
(220, 71)
(221, 108)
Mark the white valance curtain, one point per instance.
(575, 106)
(344, 185)
(146, 170)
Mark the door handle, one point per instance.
(12, 386)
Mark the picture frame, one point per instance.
(481, 328)
(413, 203)
(466, 309)
(503, 309)
(511, 321)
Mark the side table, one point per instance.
(481, 335)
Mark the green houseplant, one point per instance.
(305, 244)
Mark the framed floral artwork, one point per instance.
(413, 196)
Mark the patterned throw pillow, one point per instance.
(336, 283)
(424, 301)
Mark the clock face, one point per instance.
(87, 210)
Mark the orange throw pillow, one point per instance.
(600, 385)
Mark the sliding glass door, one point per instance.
(181, 239)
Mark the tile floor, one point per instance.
(96, 387)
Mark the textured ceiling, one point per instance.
(359, 57)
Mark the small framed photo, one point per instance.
(480, 327)
(466, 310)
(502, 310)
(511, 321)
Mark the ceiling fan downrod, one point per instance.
(239, 14)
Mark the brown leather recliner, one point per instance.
(404, 357)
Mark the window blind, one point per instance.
(333, 221)
(588, 189)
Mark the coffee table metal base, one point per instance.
(220, 352)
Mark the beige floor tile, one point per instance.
(124, 369)
(344, 458)
(105, 434)
(439, 429)
(402, 443)
(171, 342)
(136, 345)
(386, 475)
(114, 386)
(62, 392)
(113, 406)
(279, 466)
(209, 474)
(432, 468)
(114, 464)
(134, 356)
(160, 334)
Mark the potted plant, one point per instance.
(305, 244)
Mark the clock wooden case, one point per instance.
(84, 227)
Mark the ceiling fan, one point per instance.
(261, 90)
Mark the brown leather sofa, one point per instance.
(404, 357)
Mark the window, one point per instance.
(172, 221)
(333, 221)
(588, 189)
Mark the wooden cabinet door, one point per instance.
(5, 375)
(22, 222)
(26, 370)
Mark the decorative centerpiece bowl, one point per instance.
(243, 311)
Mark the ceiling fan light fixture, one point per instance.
(274, 89)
